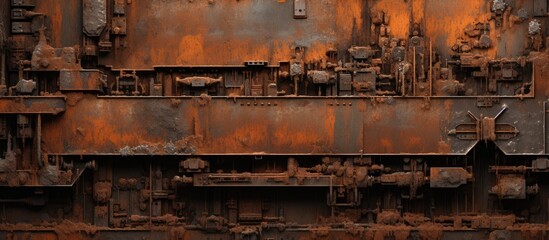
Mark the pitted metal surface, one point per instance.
(278, 119)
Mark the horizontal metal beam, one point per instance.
(32, 105)
(278, 125)
(263, 180)
(340, 231)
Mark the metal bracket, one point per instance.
(484, 128)
(343, 196)
(300, 9)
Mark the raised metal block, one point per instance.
(81, 80)
(119, 25)
(94, 16)
(300, 9)
(448, 177)
(21, 27)
(25, 86)
(23, 3)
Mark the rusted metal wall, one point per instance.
(333, 126)
(274, 119)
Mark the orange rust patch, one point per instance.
(443, 147)
(57, 21)
(191, 48)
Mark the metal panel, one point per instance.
(81, 80)
(540, 8)
(279, 119)
(300, 9)
(94, 16)
(32, 105)
(281, 126)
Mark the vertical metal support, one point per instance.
(430, 68)
(414, 73)
(118, 83)
(296, 89)
(135, 84)
(20, 70)
(38, 139)
(167, 84)
(533, 91)
(544, 127)
(247, 83)
(331, 190)
(3, 69)
(547, 209)
(400, 77)
(150, 192)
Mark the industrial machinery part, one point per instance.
(274, 119)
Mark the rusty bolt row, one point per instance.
(340, 104)
(259, 104)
